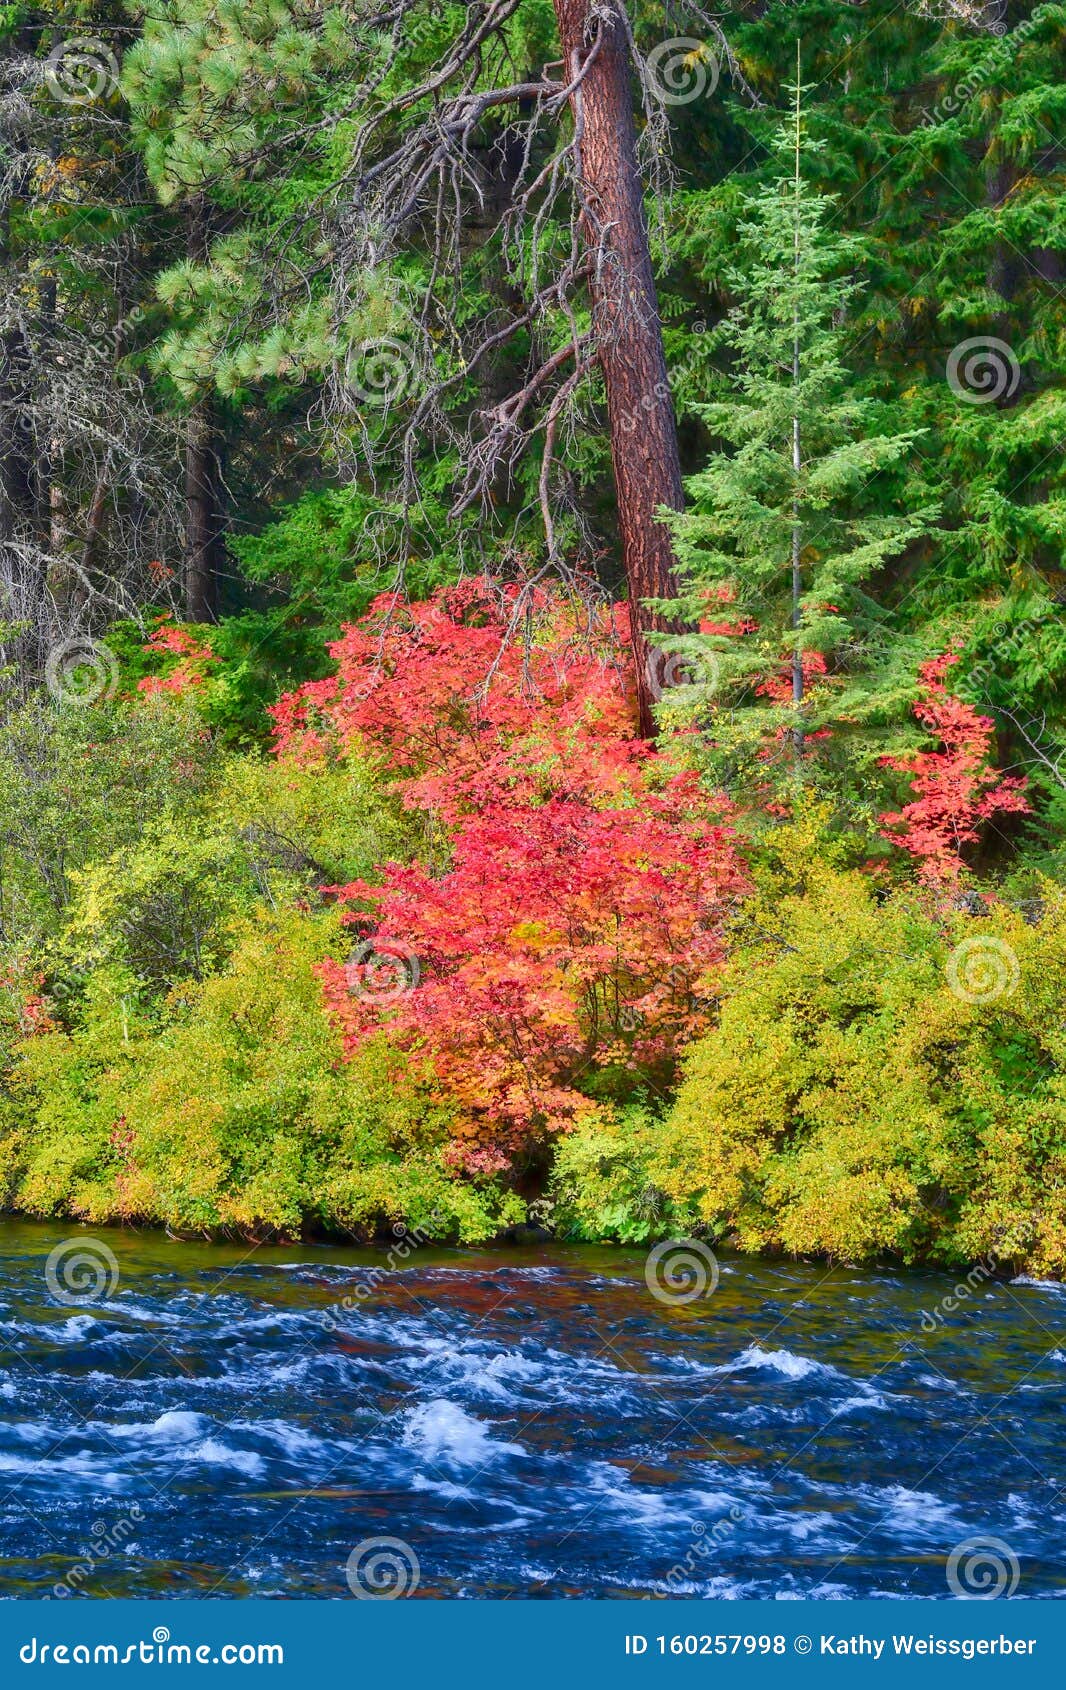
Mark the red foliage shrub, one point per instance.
(579, 924)
(562, 939)
(193, 655)
(956, 788)
(464, 715)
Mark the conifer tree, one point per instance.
(939, 140)
(452, 190)
(785, 530)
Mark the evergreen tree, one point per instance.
(939, 141)
(434, 203)
(785, 529)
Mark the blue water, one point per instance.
(528, 1423)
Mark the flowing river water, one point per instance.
(190, 1419)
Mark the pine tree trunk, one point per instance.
(797, 442)
(19, 486)
(644, 454)
(203, 502)
(797, 584)
(22, 581)
(21, 574)
(201, 515)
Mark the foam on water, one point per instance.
(789, 1366)
(217, 1454)
(441, 1431)
(916, 1514)
(175, 1425)
(866, 1399)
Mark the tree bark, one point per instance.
(625, 315)
(19, 485)
(202, 535)
(203, 480)
(21, 575)
(21, 572)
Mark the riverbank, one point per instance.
(888, 1085)
(689, 1262)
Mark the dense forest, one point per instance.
(533, 553)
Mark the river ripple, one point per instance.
(526, 1423)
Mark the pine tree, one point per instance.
(461, 190)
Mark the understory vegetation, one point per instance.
(437, 956)
(479, 745)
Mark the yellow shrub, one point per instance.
(884, 1078)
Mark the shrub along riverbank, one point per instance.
(444, 952)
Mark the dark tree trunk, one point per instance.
(50, 523)
(202, 524)
(640, 412)
(203, 479)
(21, 563)
(21, 574)
(19, 483)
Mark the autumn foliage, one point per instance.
(573, 936)
(186, 656)
(465, 708)
(956, 788)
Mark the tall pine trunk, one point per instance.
(20, 563)
(21, 572)
(203, 479)
(640, 413)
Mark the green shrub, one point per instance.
(165, 907)
(233, 1112)
(79, 783)
(601, 1185)
(882, 1080)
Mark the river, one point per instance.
(187, 1419)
